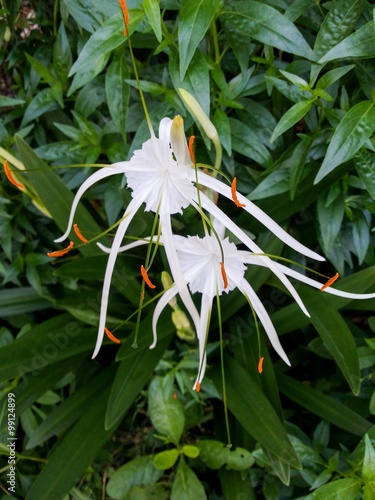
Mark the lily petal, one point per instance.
(162, 303)
(206, 308)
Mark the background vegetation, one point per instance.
(290, 87)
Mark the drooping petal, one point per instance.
(256, 212)
(205, 316)
(128, 216)
(93, 179)
(165, 130)
(178, 142)
(162, 303)
(264, 318)
(208, 205)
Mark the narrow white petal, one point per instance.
(163, 302)
(95, 177)
(256, 212)
(129, 246)
(128, 216)
(262, 314)
(165, 129)
(202, 334)
(178, 142)
(208, 205)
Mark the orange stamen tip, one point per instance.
(191, 148)
(198, 387)
(175, 395)
(60, 253)
(330, 282)
(79, 234)
(10, 177)
(146, 278)
(111, 336)
(260, 365)
(224, 274)
(125, 14)
(234, 194)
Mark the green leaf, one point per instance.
(253, 18)
(40, 69)
(166, 459)
(347, 488)
(235, 485)
(324, 406)
(338, 24)
(74, 453)
(221, 122)
(40, 104)
(291, 117)
(186, 485)
(166, 412)
(6, 101)
(332, 76)
(190, 451)
(275, 183)
(62, 54)
(361, 235)
(364, 162)
(359, 44)
(14, 301)
(368, 468)
(353, 131)
(152, 11)
(330, 219)
(246, 142)
(194, 20)
(255, 414)
(216, 454)
(117, 92)
(137, 472)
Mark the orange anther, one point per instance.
(10, 177)
(125, 13)
(198, 387)
(111, 336)
(330, 282)
(79, 234)
(175, 395)
(60, 253)
(146, 278)
(260, 365)
(224, 274)
(234, 194)
(191, 148)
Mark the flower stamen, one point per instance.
(224, 274)
(330, 282)
(79, 234)
(198, 387)
(60, 253)
(125, 13)
(260, 364)
(234, 194)
(111, 336)
(191, 148)
(146, 278)
(10, 177)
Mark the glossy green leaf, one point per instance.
(255, 412)
(21, 300)
(221, 122)
(166, 459)
(117, 92)
(75, 452)
(347, 488)
(298, 164)
(332, 76)
(62, 54)
(190, 450)
(186, 485)
(87, 18)
(166, 412)
(275, 183)
(291, 117)
(364, 162)
(338, 24)
(246, 142)
(152, 10)
(253, 18)
(234, 485)
(6, 101)
(216, 454)
(368, 468)
(40, 104)
(330, 218)
(361, 235)
(324, 406)
(359, 44)
(353, 131)
(194, 20)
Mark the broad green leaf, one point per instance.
(358, 45)
(166, 459)
(338, 24)
(275, 183)
(190, 450)
(62, 54)
(361, 235)
(166, 412)
(117, 92)
(216, 454)
(40, 104)
(255, 413)
(364, 162)
(353, 131)
(84, 14)
(221, 122)
(347, 488)
(297, 164)
(330, 219)
(186, 485)
(40, 69)
(139, 471)
(291, 117)
(20, 300)
(152, 10)
(368, 468)
(324, 406)
(194, 20)
(234, 485)
(74, 453)
(6, 101)
(253, 18)
(246, 142)
(332, 76)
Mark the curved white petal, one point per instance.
(208, 205)
(95, 177)
(165, 130)
(262, 314)
(257, 213)
(178, 142)
(206, 306)
(128, 216)
(129, 246)
(162, 303)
